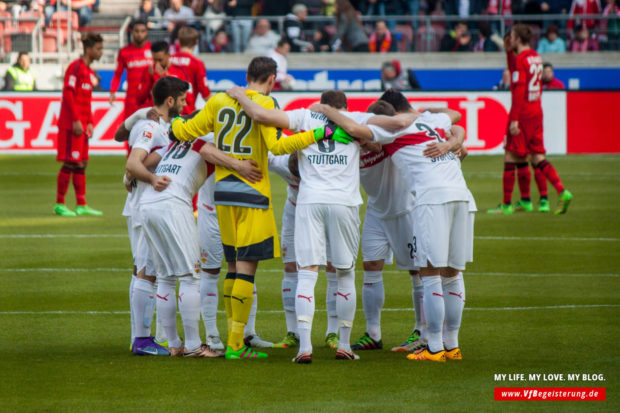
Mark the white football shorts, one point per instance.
(443, 235)
(211, 250)
(319, 226)
(382, 237)
(170, 230)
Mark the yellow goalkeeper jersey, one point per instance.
(237, 135)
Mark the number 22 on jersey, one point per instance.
(240, 124)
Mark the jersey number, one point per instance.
(228, 117)
(429, 131)
(536, 72)
(413, 248)
(178, 150)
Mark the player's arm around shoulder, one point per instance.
(266, 113)
(197, 124)
(247, 168)
(349, 125)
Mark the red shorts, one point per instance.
(529, 140)
(71, 148)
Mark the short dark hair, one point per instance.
(260, 68)
(334, 98)
(90, 39)
(283, 40)
(523, 32)
(168, 86)
(396, 99)
(137, 22)
(547, 64)
(160, 46)
(381, 107)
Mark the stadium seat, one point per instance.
(50, 44)
(28, 26)
(64, 23)
(6, 29)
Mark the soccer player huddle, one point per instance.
(419, 210)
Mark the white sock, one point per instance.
(304, 307)
(167, 309)
(345, 306)
(417, 295)
(142, 302)
(250, 327)
(373, 297)
(208, 302)
(330, 302)
(454, 300)
(189, 307)
(434, 311)
(160, 331)
(289, 286)
(133, 333)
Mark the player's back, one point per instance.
(237, 135)
(329, 170)
(529, 69)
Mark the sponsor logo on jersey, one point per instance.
(370, 159)
(180, 61)
(138, 63)
(168, 169)
(328, 159)
(86, 86)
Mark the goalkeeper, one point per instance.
(244, 209)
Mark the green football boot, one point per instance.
(563, 202)
(523, 205)
(289, 341)
(331, 340)
(505, 209)
(244, 353)
(543, 205)
(63, 211)
(86, 210)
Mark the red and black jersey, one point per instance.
(197, 76)
(526, 85)
(134, 60)
(143, 95)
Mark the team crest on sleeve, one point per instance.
(72, 80)
(515, 76)
(147, 134)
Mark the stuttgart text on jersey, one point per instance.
(328, 159)
(168, 168)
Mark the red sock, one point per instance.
(64, 177)
(195, 202)
(79, 184)
(525, 177)
(508, 181)
(541, 182)
(549, 171)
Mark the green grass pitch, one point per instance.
(542, 297)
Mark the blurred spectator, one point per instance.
(484, 43)
(177, 13)
(504, 83)
(275, 8)
(555, 7)
(465, 42)
(220, 43)
(293, 28)
(381, 39)
(328, 8)
(451, 40)
(393, 77)
(349, 30)
(313, 6)
(581, 7)
(549, 81)
(551, 42)
(284, 81)
(147, 10)
(84, 9)
(583, 42)
(610, 29)
(263, 40)
(19, 77)
(241, 28)
(321, 41)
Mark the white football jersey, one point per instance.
(150, 136)
(186, 169)
(206, 192)
(388, 193)
(329, 170)
(279, 165)
(431, 180)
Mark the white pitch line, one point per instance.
(481, 237)
(277, 270)
(322, 310)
